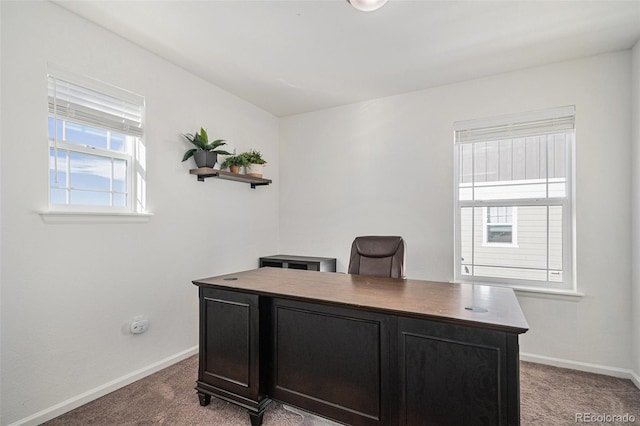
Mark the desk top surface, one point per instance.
(475, 305)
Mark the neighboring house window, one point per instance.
(500, 226)
(96, 151)
(514, 190)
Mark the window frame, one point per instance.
(513, 224)
(71, 147)
(133, 155)
(567, 203)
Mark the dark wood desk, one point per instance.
(361, 350)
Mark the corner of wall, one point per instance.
(635, 225)
(1, 322)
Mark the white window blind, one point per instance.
(109, 108)
(518, 125)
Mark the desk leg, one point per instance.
(204, 399)
(256, 418)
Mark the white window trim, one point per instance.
(538, 292)
(569, 287)
(67, 217)
(136, 167)
(548, 293)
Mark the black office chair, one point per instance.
(382, 256)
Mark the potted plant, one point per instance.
(255, 163)
(234, 163)
(205, 153)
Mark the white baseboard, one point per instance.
(635, 378)
(95, 393)
(583, 366)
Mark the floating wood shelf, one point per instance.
(206, 172)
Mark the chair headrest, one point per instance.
(377, 246)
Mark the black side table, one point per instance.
(323, 264)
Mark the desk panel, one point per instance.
(332, 360)
(452, 374)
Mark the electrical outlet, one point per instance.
(139, 326)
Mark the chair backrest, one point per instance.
(382, 256)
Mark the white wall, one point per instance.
(382, 166)
(386, 167)
(0, 214)
(635, 261)
(68, 291)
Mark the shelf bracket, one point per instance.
(201, 178)
(253, 185)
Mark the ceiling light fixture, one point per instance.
(367, 5)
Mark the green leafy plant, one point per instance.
(201, 141)
(235, 160)
(253, 157)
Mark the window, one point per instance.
(499, 227)
(96, 151)
(514, 216)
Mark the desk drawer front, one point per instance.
(331, 360)
(451, 374)
(229, 336)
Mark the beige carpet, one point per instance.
(549, 396)
(554, 396)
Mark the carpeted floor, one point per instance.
(549, 396)
(555, 396)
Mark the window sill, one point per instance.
(54, 217)
(546, 293)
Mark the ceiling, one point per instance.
(295, 56)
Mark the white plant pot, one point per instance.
(255, 170)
